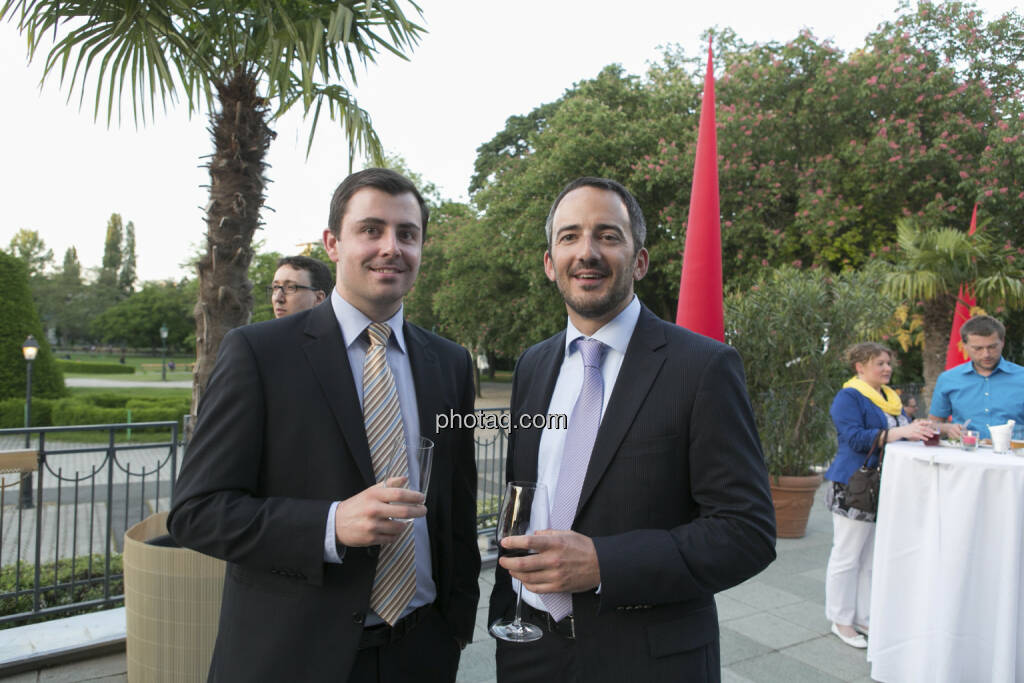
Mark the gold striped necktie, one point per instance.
(395, 580)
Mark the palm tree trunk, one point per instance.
(241, 138)
(938, 317)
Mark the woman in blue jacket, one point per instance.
(862, 410)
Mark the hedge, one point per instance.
(91, 368)
(12, 412)
(53, 597)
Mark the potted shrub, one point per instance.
(791, 329)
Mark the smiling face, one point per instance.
(592, 259)
(377, 250)
(876, 371)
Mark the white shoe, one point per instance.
(863, 630)
(857, 641)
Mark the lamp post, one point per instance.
(163, 341)
(28, 350)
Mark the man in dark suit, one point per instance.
(281, 480)
(673, 501)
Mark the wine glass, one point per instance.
(524, 509)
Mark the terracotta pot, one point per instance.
(793, 498)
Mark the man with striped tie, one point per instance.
(295, 474)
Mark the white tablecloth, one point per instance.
(947, 601)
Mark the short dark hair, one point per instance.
(637, 226)
(319, 274)
(983, 326)
(383, 179)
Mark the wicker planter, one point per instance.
(172, 606)
(793, 498)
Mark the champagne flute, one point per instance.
(524, 510)
(416, 469)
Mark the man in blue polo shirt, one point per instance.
(989, 390)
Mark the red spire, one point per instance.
(961, 313)
(700, 285)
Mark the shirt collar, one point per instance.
(967, 368)
(354, 322)
(615, 333)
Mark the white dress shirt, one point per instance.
(615, 334)
(353, 329)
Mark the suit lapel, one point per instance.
(527, 443)
(645, 355)
(328, 359)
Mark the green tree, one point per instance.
(126, 278)
(261, 274)
(18, 320)
(930, 266)
(791, 329)
(71, 270)
(29, 247)
(248, 62)
(112, 251)
(136, 320)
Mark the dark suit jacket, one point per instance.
(280, 436)
(675, 498)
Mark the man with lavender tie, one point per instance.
(660, 494)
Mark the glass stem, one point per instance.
(517, 622)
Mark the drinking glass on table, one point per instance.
(1017, 440)
(420, 463)
(524, 509)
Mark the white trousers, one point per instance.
(848, 577)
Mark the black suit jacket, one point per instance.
(280, 436)
(675, 498)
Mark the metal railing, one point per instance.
(60, 548)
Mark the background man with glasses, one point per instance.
(300, 282)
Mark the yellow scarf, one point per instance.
(891, 405)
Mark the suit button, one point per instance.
(358, 617)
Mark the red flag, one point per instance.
(700, 285)
(965, 300)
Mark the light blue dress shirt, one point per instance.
(615, 334)
(993, 400)
(353, 327)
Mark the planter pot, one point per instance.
(172, 606)
(793, 498)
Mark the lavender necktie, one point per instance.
(579, 442)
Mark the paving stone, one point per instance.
(809, 614)
(736, 647)
(477, 663)
(730, 676)
(831, 656)
(730, 608)
(107, 669)
(758, 594)
(808, 588)
(772, 631)
(776, 666)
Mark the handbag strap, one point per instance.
(879, 445)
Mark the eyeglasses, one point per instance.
(288, 288)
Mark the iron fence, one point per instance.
(60, 545)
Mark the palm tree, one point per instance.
(933, 263)
(247, 62)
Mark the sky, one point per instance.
(63, 174)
